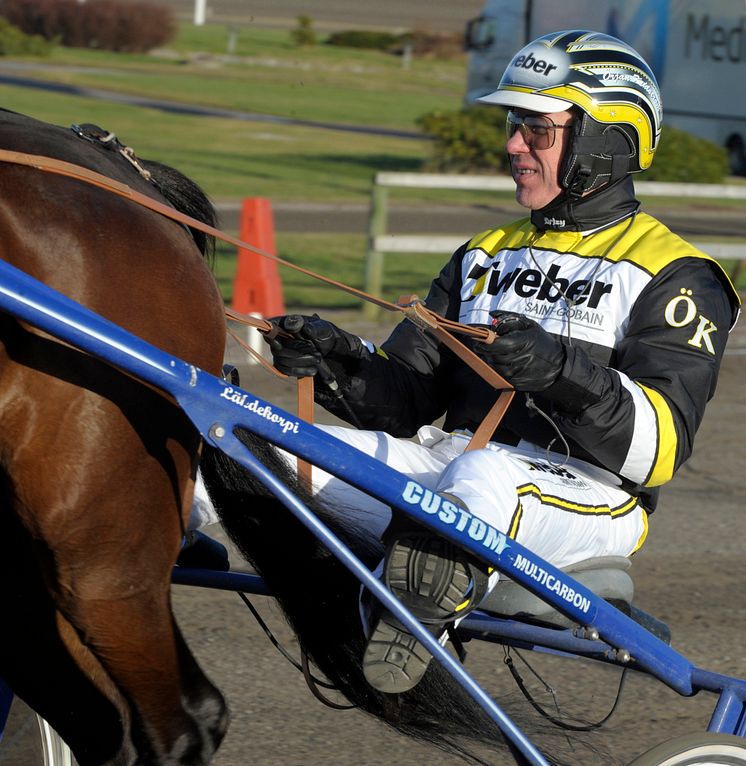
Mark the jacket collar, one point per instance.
(595, 211)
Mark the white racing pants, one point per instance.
(564, 511)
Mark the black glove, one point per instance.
(525, 354)
(312, 341)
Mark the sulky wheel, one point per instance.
(54, 751)
(29, 740)
(706, 749)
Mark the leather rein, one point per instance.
(428, 321)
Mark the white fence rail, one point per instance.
(502, 183)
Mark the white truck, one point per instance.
(697, 49)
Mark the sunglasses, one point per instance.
(538, 130)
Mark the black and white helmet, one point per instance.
(612, 86)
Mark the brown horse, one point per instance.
(96, 470)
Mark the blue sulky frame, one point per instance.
(217, 409)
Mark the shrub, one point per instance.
(359, 38)
(13, 42)
(469, 141)
(420, 42)
(303, 34)
(687, 159)
(106, 24)
(437, 45)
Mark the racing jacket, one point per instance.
(644, 317)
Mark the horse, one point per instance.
(96, 469)
(97, 473)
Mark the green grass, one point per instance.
(270, 76)
(267, 74)
(231, 159)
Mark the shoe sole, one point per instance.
(428, 577)
(394, 660)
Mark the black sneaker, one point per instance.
(438, 582)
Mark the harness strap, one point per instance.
(491, 421)
(305, 411)
(427, 320)
(414, 309)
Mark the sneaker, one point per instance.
(439, 583)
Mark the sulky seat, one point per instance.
(607, 576)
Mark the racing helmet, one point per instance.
(608, 82)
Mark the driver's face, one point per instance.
(536, 171)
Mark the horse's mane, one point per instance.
(187, 197)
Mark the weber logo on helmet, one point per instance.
(540, 66)
(537, 66)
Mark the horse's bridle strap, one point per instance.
(415, 310)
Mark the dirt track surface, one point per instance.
(690, 574)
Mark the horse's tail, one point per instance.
(319, 597)
(187, 197)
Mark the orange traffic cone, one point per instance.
(257, 288)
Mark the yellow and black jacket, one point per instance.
(643, 314)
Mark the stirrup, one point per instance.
(439, 583)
